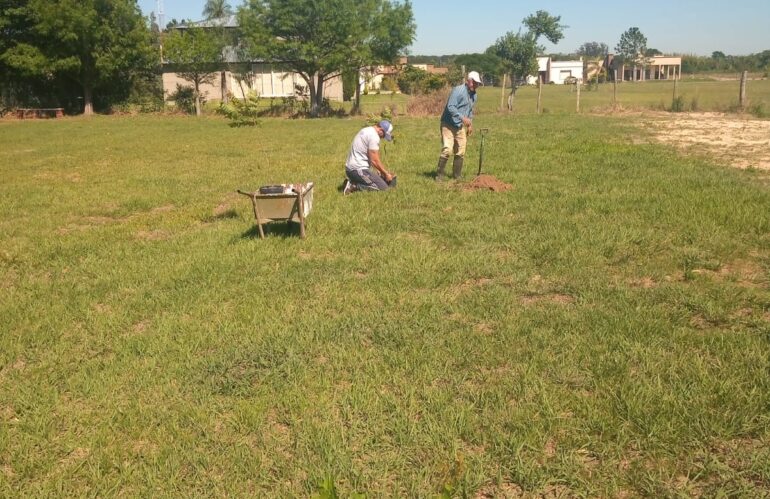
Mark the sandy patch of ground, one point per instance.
(732, 140)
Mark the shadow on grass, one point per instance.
(284, 230)
(225, 215)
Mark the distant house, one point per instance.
(241, 77)
(550, 71)
(373, 77)
(649, 68)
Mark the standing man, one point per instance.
(364, 155)
(456, 124)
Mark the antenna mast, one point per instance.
(161, 27)
(161, 21)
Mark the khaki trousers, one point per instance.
(454, 140)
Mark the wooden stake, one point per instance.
(743, 97)
(676, 84)
(502, 93)
(577, 84)
(539, 92)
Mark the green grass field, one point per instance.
(602, 329)
(696, 94)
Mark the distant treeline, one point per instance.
(721, 63)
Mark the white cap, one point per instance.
(474, 75)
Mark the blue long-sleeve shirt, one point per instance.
(458, 106)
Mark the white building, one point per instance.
(550, 71)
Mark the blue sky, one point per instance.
(446, 27)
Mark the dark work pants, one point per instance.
(366, 180)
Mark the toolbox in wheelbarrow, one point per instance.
(281, 202)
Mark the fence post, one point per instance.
(615, 89)
(577, 84)
(676, 83)
(502, 93)
(539, 92)
(743, 97)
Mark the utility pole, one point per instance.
(161, 27)
(161, 19)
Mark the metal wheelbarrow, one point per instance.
(282, 202)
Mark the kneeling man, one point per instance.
(364, 156)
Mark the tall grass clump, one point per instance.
(430, 104)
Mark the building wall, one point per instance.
(267, 80)
(561, 70)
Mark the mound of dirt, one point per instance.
(489, 182)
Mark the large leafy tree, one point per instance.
(488, 64)
(518, 51)
(541, 23)
(99, 44)
(215, 9)
(15, 28)
(318, 39)
(593, 50)
(632, 47)
(194, 53)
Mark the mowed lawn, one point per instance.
(602, 329)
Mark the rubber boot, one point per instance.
(441, 168)
(457, 167)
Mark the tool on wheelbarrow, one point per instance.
(483, 131)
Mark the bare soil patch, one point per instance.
(732, 140)
(487, 182)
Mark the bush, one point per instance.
(694, 103)
(242, 112)
(414, 81)
(677, 104)
(349, 82)
(759, 110)
(184, 99)
(389, 84)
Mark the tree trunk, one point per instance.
(197, 99)
(88, 100)
(311, 89)
(223, 86)
(316, 94)
(511, 95)
(357, 102)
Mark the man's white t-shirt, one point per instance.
(366, 140)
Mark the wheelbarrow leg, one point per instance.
(301, 204)
(257, 217)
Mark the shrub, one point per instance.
(414, 81)
(389, 84)
(349, 82)
(184, 99)
(759, 110)
(241, 112)
(677, 104)
(694, 103)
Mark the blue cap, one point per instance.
(387, 127)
